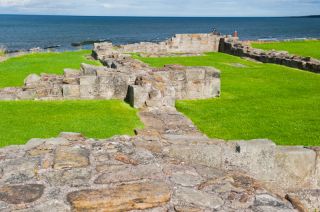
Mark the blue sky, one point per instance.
(162, 7)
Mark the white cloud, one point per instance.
(14, 3)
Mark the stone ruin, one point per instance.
(167, 166)
(181, 43)
(121, 78)
(242, 49)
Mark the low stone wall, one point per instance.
(278, 57)
(122, 78)
(180, 43)
(289, 168)
(192, 82)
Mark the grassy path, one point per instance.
(258, 101)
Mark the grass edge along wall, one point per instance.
(257, 101)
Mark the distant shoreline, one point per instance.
(308, 16)
(22, 52)
(120, 16)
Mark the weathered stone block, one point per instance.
(295, 167)
(88, 80)
(88, 70)
(72, 177)
(20, 194)
(71, 73)
(137, 96)
(195, 74)
(127, 173)
(208, 155)
(88, 91)
(198, 198)
(71, 157)
(32, 80)
(256, 157)
(194, 90)
(27, 95)
(19, 170)
(121, 198)
(71, 91)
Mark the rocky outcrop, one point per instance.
(278, 57)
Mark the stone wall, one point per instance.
(192, 82)
(180, 43)
(278, 57)
(122, 78)
(289, 168)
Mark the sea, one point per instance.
(23, 32)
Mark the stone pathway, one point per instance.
(126, 173)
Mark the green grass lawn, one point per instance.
(15, 70)
(258, 101)
(23, 120)
(304, 48)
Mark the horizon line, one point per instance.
(138, 16)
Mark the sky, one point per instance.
(189, 8)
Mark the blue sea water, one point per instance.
(25, 32)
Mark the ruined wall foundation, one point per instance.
(168, 166)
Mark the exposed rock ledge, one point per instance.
(169, 166)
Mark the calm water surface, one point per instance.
(25, 32)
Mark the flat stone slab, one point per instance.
(71, 157)
(198, 198)
(121, 198)
(19, 194)
(130, 173)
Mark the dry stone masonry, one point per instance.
(122, 78)
(278, 57)
(181, 43)
(167, 166)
